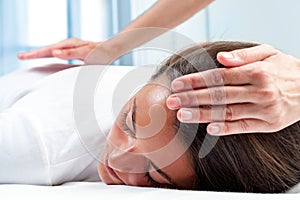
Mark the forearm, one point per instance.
(164, 15)
(168, 14)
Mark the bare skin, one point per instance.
(128, 159)
(262, 92)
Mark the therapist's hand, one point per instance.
(261, 90)
(68, 49)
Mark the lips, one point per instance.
(111, 170)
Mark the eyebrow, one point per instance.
(163, 174)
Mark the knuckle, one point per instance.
(217, 95)
(192, 80)
(258, 73)
(199, 115)
(194, 98)
(228, 113)
(226, 129)
(261, 75)
(67, 53)
(216, 77)
(186, 98)
(220, 77)
(243, 125)
(267, 93)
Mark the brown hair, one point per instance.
(257, 162)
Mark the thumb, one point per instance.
(246, 56)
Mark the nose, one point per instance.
(119, 139)
(127, 161)
(129, 166)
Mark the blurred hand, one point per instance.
(68, 49)
(261, 91)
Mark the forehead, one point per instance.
(152, 115)
(154, 125)
(154, 92)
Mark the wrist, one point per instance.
(101, 54)
(113, 48)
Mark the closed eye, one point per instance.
(133, 116)
(129, 118)
(170, 183)
(124, 125)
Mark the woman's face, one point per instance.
(139, 150)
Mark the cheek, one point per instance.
(159, 141)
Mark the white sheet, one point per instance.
(58, 129)
(100, 191)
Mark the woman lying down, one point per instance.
(40, 142)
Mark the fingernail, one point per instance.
(177, 85)
(214, 129)
(186, 115)
(173, 102)
(228, 55)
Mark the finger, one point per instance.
(237, 127)
(213, 96)
(246, 56)
(39, 53)
(67, 43)
(231, 112)
(212, 78)
(71, 53)
(47, 52)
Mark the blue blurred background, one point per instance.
(29, 24)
